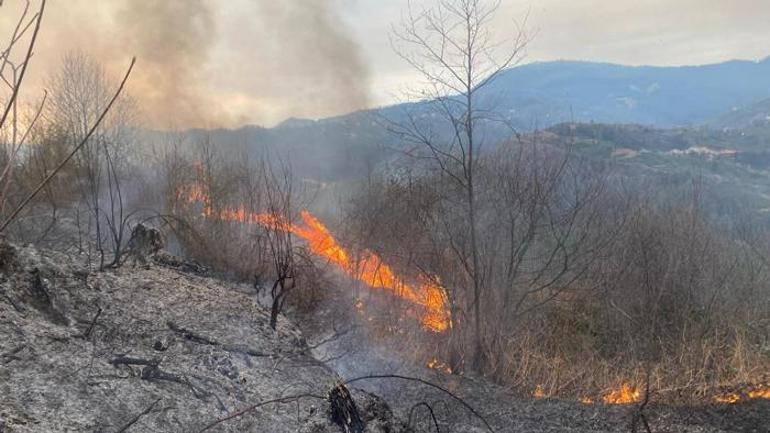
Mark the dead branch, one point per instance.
(137, 417)
(22, 73)
(93, 323)
(425, 382)
(152, 373)
(247, 409)
(430, 410)
(200, 339)
(127, 360)
(190, 335)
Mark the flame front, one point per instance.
(370, 269)
(625, 395)
(761, 391)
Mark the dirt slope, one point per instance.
(148, 350)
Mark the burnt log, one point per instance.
(343, 410)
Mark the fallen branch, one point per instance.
(127, 360)
(136, 418)
(245, 410)
(430, 410)
(153, 372)
(93, 323)
(424, 382)
(200, 339)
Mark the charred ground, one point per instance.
(162, 348)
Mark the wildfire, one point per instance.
(435, 364)
(539, 392)
(762, 391)
(370, 269)
(626, 394)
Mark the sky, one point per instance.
(212, 63)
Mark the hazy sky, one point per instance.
(229, 62)
(634, 32)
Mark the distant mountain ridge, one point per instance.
(533, 96)
(553, 92)
(543, 94)
(756, 115)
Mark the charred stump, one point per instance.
(144, 242)
(343, 410)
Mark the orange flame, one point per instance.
(625, 395)
(762, 391)
(435, 364)
(539, 392)
(428, 294)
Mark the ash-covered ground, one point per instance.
(352, 356)
(151, 349)
(165, 348)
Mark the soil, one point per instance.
(163, 347)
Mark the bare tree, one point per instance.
(451, 46)
(286, 257)
(79, 94)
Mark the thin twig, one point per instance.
(244, 411)
(18, 82)
(136, 418)
(93, 323)
(430, 410)
(425, 382)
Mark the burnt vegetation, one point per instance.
(596, 264)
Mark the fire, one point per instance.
(625, 395)
(760, 393)
(586, 400)
(539, 392)
(370, 269)
(728, 398)
(435, 364)
(757, 392)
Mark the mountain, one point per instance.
(553, 92)
(533, 96)
(755, 115)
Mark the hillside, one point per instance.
(751, 116)
(164, 348)
(147, 349)
(731, 166)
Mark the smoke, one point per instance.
(207, 63)
(173, 40)
(319, 55)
